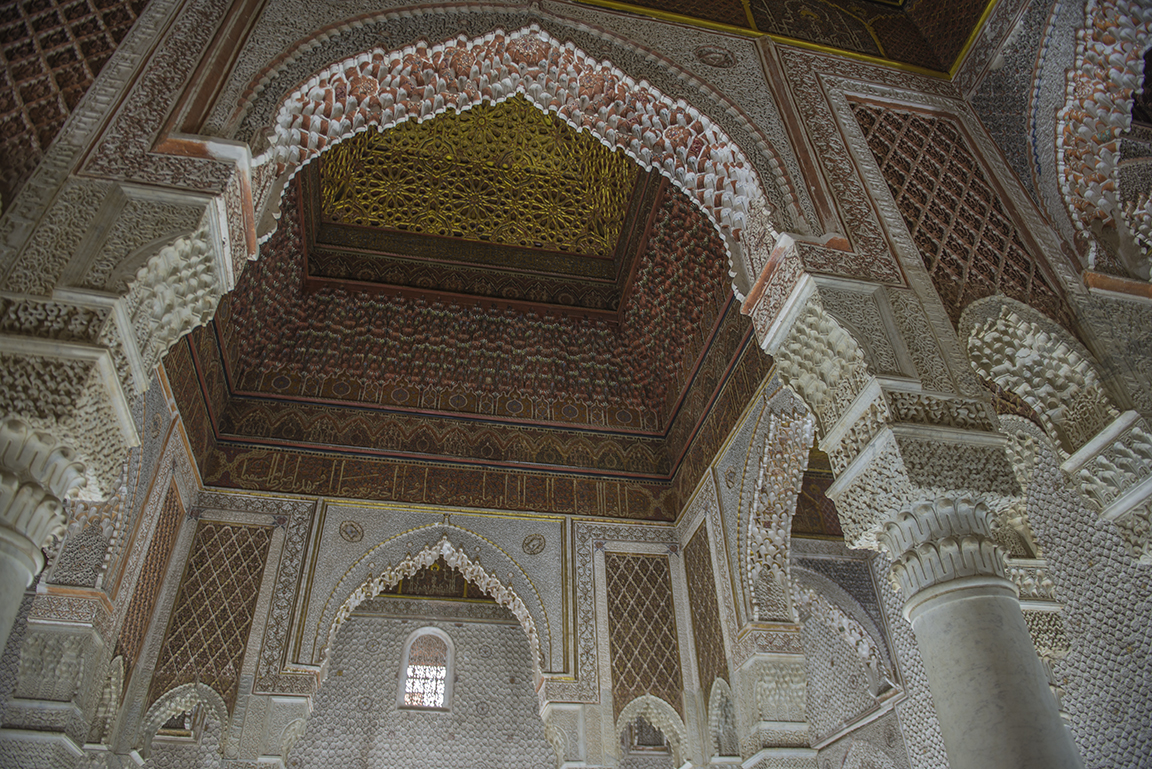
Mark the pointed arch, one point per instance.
(1026, 353)
(380, 89)
(777, 458)
(109, 703)
(175, 701)
(813, 602)
(722, 720)
(661, 715)
(505, 594)
(1109, 63)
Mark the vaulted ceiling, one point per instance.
(485, 309)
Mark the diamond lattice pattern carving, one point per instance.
(52, 51)
(213, 611)
(504, 173)
(711, 661)
(143, 601)
(642, 630)
(967, 238)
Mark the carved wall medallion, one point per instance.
(351, 531)
(534, 544)
(715, 56)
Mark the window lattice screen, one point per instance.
(427, 671)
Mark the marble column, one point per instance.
(36, 473)
(992, 697)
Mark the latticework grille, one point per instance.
(151, 575)
(711, 661)
(967, 239)
(642, 630)
(213, 611)
(50, 52)
(427, 670)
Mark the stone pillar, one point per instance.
(36, 472)
(991, 693)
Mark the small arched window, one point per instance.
(426, 670)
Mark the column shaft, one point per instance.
(995, 708)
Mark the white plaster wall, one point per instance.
(493, 722)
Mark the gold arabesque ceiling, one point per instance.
(504, 173)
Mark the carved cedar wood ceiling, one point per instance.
(482, 310)
(931, 34)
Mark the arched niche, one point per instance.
(477, 558)
(661, 715)
(183, 698)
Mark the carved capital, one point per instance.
(903, 465)
(933, 542)
(36, 473)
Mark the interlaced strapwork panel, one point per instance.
(711, 661)
(642, 630)
(505, 173)
(151, 575)
(969, 243)
(213, 611)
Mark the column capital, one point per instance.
(36, 472)
(904, 466)
(941, 540)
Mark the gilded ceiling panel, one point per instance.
(504, 173)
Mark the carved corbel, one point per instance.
(36, 473)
